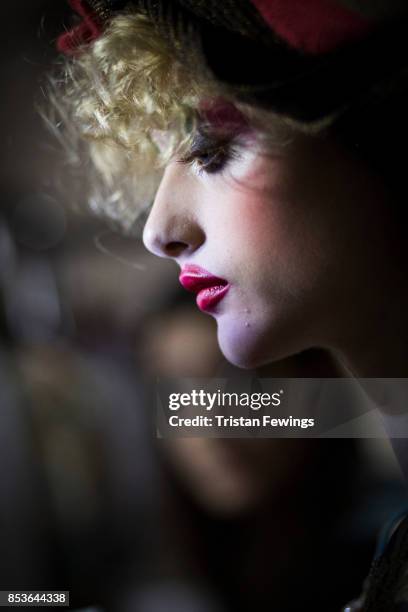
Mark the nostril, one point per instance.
(175, 248)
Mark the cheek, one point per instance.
(272, 250)
(287, 233)
(252, 246)
(268, 229)
(251, 207)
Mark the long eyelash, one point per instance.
(218, 164)
(218, 153)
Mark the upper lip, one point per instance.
(193, 278)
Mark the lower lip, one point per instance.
(208, 298)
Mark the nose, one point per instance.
(172, 228)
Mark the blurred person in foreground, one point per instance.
(265, 135)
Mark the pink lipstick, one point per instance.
(210, 289)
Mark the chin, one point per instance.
(243, 351)
(250, 348)
(243, 361)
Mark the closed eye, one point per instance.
(210, 154)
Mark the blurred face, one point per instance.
(232, 476)
(273, 241)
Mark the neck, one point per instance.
(375, 344)
(383, 356)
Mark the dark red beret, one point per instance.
(304, 58)
(314, 26)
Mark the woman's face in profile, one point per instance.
(277, 245)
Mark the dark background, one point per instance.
(90, 501)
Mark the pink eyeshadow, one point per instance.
(223, 115)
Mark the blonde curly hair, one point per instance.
(108, 107)
(115, 99)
